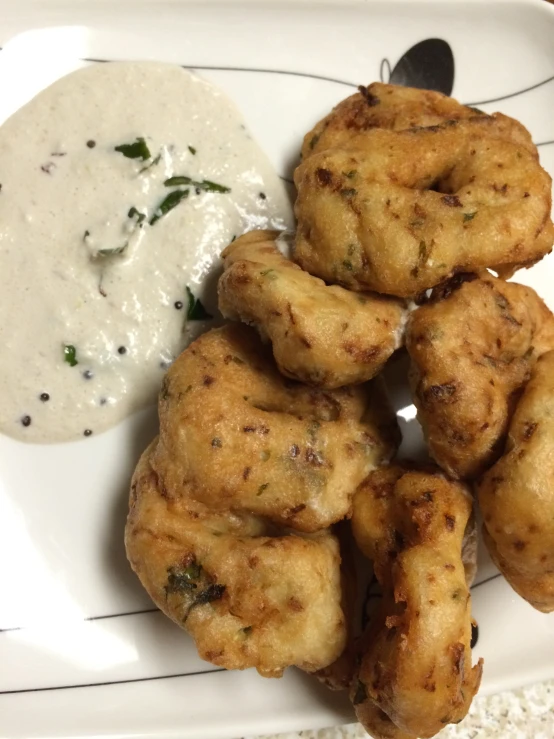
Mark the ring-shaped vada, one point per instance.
(414, 207)
(415, 673)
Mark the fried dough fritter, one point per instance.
(247, 439)
(323, 335)
(339, 674)
(517, 494)
(402, 211)
(397, 108)
(471, 353)
(249, 598)
(415, 674)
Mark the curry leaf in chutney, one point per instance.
(134, 212)
(168, 203)
(70, 355)
(207, 185)
(151, 164)
(195, 309)
(137, 150)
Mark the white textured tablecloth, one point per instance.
(519, 714)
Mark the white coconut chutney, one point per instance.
(103, 253)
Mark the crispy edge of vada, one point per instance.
(339, 674)
(395, 107)
(517, 494)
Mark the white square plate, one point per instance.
(82, 650)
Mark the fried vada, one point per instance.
(517, 494)
(248, 595)
(322, 335)
(399, 212)
(472, 348)
(415, 673)
(339, 674)
(397, 108)
(247, 439)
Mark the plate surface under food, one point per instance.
(82, 650)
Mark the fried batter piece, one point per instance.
(248, 597)
(339, 674)
(415, 674)
(396, 108)
(246, 439)
(517, 494)
(472, 350)
(325, 336)
(402, 211)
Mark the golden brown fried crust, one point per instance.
(397, 108)
(248, 597)
(339, 674)
(242, 450)
(471, 353)
(415, 670)
(325, 336)
(517, 494)
(407, 209)
(247, 439)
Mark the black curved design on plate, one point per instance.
(513, 94)
(91, 618)
(113, 682)
(428, 65)
(259, 70)
(108, 682)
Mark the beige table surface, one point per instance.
(519, 714)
